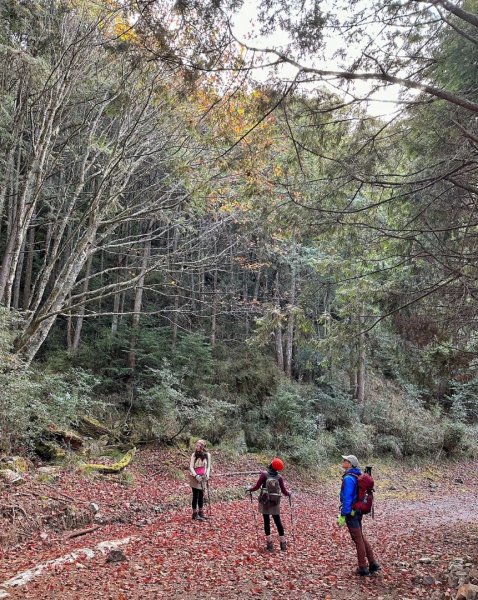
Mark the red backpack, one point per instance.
(364, 502)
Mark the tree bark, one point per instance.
(27, 283)
(278, 328)
(214, 311)
(138, 303)
(79, 321)
(290, 323)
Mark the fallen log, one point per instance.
(92, 427)
(66, 437)
(114, 468)
(75, 534)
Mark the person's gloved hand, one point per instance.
(206, 477)
(352, 513)
(341, 520)
(198, 477)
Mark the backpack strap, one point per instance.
(355, 476)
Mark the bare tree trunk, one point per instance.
(358, 369)
(18, 277)
(138, 303)
(278, 329)
(265, 294)
(11, 180)
(175, 317)
(31, 190)
(214, 311)
(245, 299)
(117, 297)
(353, 380)
(69, 332)
(290, 324)
(361, 366)
(177, 279)
(30, 341)
(79, 321)
(27, 284)
(257, 286)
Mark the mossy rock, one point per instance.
(47, 474)
(49, 450)
(17, 463)
(115, 467)
(10, 476)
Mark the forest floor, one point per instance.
(424, 533)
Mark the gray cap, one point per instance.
(353, 460)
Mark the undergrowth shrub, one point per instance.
(32, 399)
(464, 401)
(248, 374)
(166, 409)
(336, 407)
(282, 417)
(312, 453)
(470, 444)
(454, 437)
(357, 439)
(402, 423)
(388, 444)
(257, 434)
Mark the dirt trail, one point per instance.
(446, 511)
(224, 558)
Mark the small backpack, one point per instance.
(364, 501)
(270, 491)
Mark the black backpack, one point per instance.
(270, 491)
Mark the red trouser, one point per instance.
(362, 545)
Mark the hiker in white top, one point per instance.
(199, 471)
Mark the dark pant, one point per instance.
(198, 499)
(364, 549)
(267, 524)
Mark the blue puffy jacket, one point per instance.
(348, 491)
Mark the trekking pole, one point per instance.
(208, 495)
(291, 521)
(255, 521)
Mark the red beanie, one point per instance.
(277, 464)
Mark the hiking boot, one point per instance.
(202, 516)
(283, 546)
(362, 571)
(373, 568)
(197, 516)
(269, 547)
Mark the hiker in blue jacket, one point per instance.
(367, 565)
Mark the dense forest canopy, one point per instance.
(188, 247)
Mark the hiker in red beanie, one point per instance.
(271, 485)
